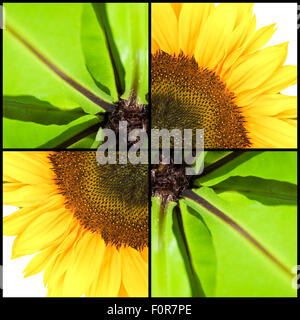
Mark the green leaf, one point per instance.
(213, 156)
(35, 135)
(169, 275)
(277, 165)
(96, 52)
(256, 243)
(263, 190)
(84, 143)
(43, 58)
(129, 27)
(27, 108)
(201, 249)
(176, 239)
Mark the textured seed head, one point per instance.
(185, 96)
(110, 199)
(136, 116)
(169, 181)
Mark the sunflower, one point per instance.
(208, 71)
(88, 223)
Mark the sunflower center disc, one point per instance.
(135, 115)
(110, 199)
(186, 96)
(169, 181)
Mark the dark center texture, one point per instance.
(186, 96)
(136, 116)
(110, 199)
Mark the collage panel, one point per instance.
(150, 151)
(87, 223)
(66, 67)
(232, 232)
(79, 219)
(213, 69)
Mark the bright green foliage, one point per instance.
(241, 236)
(46, 43)
(168, 267)
(132, 44)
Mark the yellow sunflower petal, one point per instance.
(262, 131)
(212, 42)
(56, 288)
(144, 254)
(244, 26)
(283, 78)
(12, 186)
(177, 8)
(244, 12)
(291, 122)
(164, 22)
(272, 105)
(237, 39)
(27, 167)
(28, 195)
(134, 272)
(62, 258)
(190, 20)
(109, 279)
(256, 69)
(87, 259)
(288, 114)
(57, 268)
(154, 46)
(16, 222)
(43, 232)
(122, 292)
(72, 236)
(39, 262)
(260, 38)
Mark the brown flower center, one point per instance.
(186, 96)
(110, 199)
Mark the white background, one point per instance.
(285, 16)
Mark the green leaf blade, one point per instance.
(243, 269)
(169, 275)
(30, 109)
(129, 25)
(35, 135)
(266, 165)
(201, 249)
(58, 41)
(96, 52)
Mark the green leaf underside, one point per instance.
(96, 51)
(169, 277)
(85, 143)
(35, 135)
(65, 64)
(46, 82)
(30, 109)
(267, 191)
(249, 213)
(213, 156)
(266, 165)
(255, 243)
(181, 260)
(129, 28)
(35, 44)
(203, 257)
